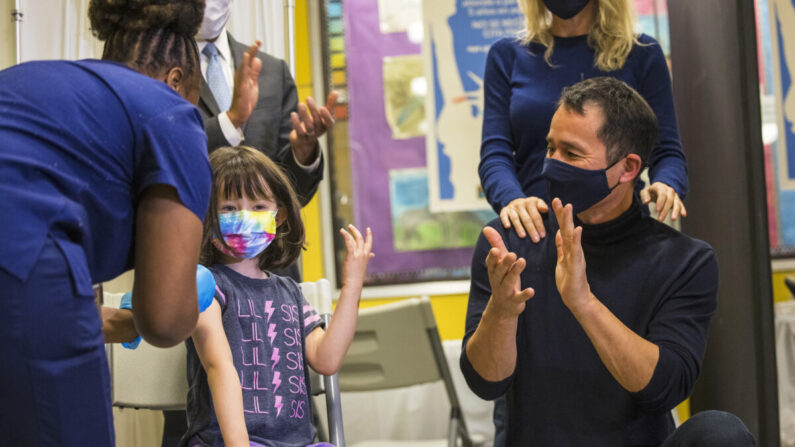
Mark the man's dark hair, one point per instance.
(630, 126)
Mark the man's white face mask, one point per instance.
(216, 13)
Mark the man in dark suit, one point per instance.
(249, 97)
(264, 111)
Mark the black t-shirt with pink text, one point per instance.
(266, 322)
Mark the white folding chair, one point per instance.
(397, 345)
(147, 377)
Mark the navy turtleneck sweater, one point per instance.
(521, 90)
(657, 281)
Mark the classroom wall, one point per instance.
(8, 40)
(450, 310)
(780, 290)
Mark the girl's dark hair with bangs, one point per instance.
(244, 171)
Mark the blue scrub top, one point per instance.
(79, 143)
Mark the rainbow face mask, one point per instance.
(248, 233)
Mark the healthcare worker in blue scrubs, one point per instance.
(103, 167)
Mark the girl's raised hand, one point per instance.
(359, 254)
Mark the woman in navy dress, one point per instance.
(103, 167)
(566, 41)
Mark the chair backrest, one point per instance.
(392, 348)
(318, 294)
(147, 377)
(398, 345)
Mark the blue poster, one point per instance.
(458, 34)
(784, 34)
(782, 38)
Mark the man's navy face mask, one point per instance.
(583, 188)
(565, 9)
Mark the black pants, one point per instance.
(704, 429)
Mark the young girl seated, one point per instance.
(247, 356)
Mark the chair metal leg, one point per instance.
(452, 432)
(466, 441)
(334, 411)
(457, 430)
(333, 404)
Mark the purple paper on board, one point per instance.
(374, 152)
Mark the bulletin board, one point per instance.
(405, 151)
(776, 52)
(385, 184)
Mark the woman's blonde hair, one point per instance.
(612, 32)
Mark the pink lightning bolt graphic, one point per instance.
(269, 308)
(278, 405)
(272, 332)
(276, 381)
(275, 358)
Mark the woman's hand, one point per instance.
(666, 198)
(524, 214)
(359, 254)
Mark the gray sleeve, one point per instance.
(305, 183)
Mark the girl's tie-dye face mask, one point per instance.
(248, 233)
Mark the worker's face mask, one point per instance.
(248, 233)
(216, 13)
(565, 9)
(583, 188)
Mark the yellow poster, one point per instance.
(404, 96)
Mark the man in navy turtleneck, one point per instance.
(596, 334)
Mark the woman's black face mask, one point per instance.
(565, 9)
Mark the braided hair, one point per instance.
(150, 36)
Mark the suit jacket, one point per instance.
(269, 126)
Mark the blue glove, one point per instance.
(126, 303)
(205, 286)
